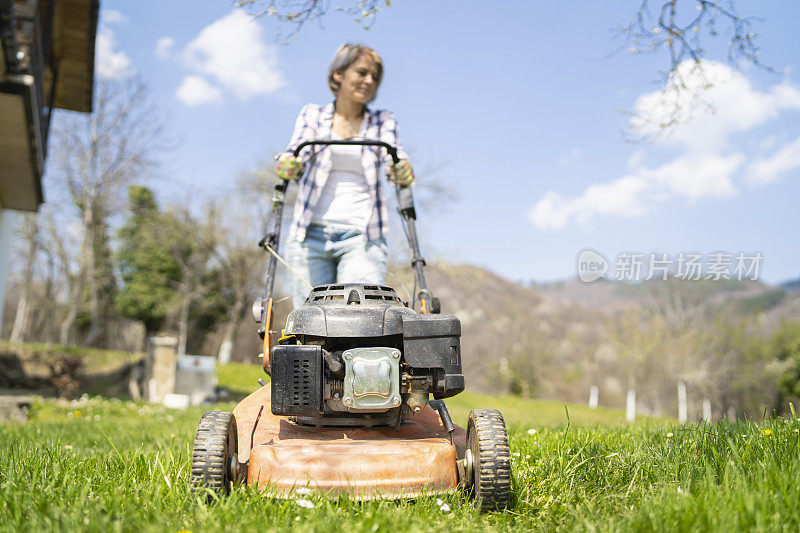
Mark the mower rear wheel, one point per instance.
(488, 459)
(214, 461)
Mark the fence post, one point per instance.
(594, 393)
(630, 406)
(707, 411)
(682, 408)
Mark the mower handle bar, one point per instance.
(389, 148)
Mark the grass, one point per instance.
(104, 464)
(100, 464)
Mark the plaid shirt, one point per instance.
(315, 122)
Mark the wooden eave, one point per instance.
(73, 49)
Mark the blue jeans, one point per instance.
(331, 254)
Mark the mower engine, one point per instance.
(354, 354)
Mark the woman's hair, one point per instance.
(346, 55)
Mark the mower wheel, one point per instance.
(215, 464)
(488, 460)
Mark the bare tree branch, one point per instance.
(684, 28)
(296, 13)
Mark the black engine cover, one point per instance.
(434, 342)
(296, 380)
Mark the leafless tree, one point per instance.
(93, 158)
(192, 244)
(241, 261)
(29, 234)
(686, 29)
(297, 13)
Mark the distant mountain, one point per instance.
(791, 285)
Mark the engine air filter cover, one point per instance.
(296, 380)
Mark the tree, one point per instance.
(192, 244)
(686, 29)
(29, 231)
(241, 270)
(95, 157)
(146, 266)
(297, 13)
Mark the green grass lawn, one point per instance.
(105, 464)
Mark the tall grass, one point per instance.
(109, 465)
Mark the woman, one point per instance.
(339, 225)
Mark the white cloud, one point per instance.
(707, 166)
(232, 52)
(112, 16)
(110, 63)
(164, 47)
(689, 177)
(770, 169)
(196, 90)
(623, 197)
(730, 105)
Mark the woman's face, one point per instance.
(359, 81)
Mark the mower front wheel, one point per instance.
(488, 462)
(215, 464)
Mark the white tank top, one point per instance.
(345, 199)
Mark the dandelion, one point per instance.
(531, 431)
(306, 504)
(766, 432)
(303, 491)
(77, 413)
(669, 435)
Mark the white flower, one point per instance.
(439, 501)
(303, 491)
(444, 508)
(669, 435)
(515, 454)
(308, 504)
(68, 447)
(531, 431)
(527, 457)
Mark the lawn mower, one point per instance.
(347, 410)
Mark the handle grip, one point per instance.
(392, 151)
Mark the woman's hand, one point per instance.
(401, 173)
(289, 167)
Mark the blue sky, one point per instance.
(520, 103)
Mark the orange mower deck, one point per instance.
(364, 463)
